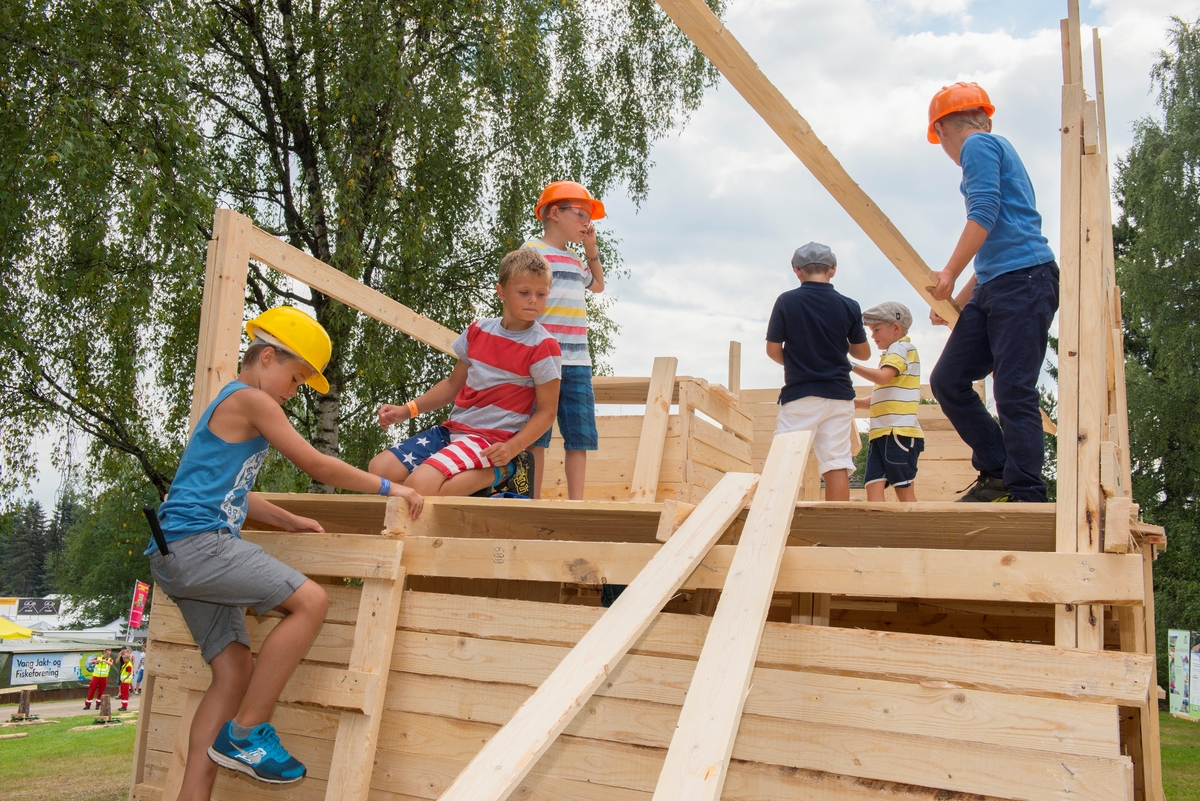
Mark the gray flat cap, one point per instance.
(813, 253)
(889, 312)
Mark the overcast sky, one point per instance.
(710, 249)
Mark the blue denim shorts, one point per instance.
(576, 411)
(893, 460)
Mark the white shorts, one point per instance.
(830, 421)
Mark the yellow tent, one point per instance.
(13, 631)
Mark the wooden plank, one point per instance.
(358, 734)
(284, 258)
(350, 555)
(220, 344)
(173, 783)
(998, 576)
(1093, 395)
(1075, 44)
(654, 430)
(704, 399)
(708, 34)
(314, 685)
(1111, 678)
(1118, 537)
(1068, 329)
(734, 382)
(496, 771)
(1091, 135)
(1151, 747)
(698, 757)
(674, 513)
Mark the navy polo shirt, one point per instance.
(815, 322)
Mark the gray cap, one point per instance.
(813, 253)
(889, 312)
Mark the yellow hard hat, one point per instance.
(300, 335)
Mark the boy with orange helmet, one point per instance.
(568, 213)
(212, 574)
(1007, 306)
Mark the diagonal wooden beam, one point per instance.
(703, 741)
(706, 31)
(497, 770)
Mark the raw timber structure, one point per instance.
(769, 645)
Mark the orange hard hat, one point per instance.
(957, 97)
(560, 191)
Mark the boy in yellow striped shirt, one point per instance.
(896, 436)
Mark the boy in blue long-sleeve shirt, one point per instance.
(1007, 306)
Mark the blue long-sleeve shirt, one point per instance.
(1000, 197)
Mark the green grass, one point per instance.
(1180, 758)
(56, 764)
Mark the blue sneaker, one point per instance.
(260, 755)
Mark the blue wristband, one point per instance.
(385, 487)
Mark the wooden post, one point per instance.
(220, 341)
(735, 369)
(1093, 391)
(183, 738)
(508, 757)
(358, 734)
(1151, 746)
(703, 741)
(1068, 311)
(654, 430)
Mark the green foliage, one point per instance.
(102, 551)
(23, 551)
(1158, 269)
(402, 143)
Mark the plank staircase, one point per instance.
(767, 644)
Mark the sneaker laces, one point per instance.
(265, 737)
(978, 480)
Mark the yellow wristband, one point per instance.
(412, 409)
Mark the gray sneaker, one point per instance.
(985, 490)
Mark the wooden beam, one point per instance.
(994, 576)
(219, 346)
(311, 684)
(358, 734)
(654, 430)
(348, 555)
(707, 32)
(282, 257)
(509, 756)
(735, 368)
(674, 513)
(1010, 668)
(698, 757)
(1068, 340)
(1093, 389)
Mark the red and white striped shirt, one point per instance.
(503, 369)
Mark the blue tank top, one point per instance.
(215, 477)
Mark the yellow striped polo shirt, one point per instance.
(894, 404)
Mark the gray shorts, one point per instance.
(213, 577)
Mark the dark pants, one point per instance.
(1002, 330)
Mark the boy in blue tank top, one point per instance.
(213, 575)
(1007, 306)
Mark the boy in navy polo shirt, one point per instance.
(1007, 306)
(811, 331)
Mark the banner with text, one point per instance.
(52, 668)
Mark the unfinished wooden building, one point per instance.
(769, 645)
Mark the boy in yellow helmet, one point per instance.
(213, 575)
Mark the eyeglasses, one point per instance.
(582, 213)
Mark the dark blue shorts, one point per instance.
(418, 448)
(893, 460)
(576, 411)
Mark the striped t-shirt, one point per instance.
(894, 404)
(566, 313)
(503, 367)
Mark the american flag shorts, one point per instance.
(465, 452)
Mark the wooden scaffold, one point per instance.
(768, 644)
